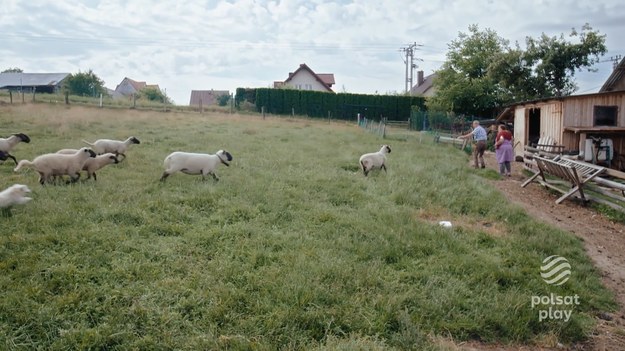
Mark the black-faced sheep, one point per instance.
(102, 146)
(374, 160)
(7, 144)
(94, 164)
(50, 165)
(194, 163)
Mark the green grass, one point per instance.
(292, 249)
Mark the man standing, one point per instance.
(479, 143)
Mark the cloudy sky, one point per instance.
(194, 45)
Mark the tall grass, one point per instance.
(292, 249)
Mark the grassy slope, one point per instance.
(292, 249)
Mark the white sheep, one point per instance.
(194, 163)
(93, 164)
(6, 145)
(14, 195)
(371, 161)
(102, 146)
(49, 165)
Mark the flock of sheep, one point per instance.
(103, 152)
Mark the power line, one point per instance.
(410, 65)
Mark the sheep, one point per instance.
(371, 161)
(194, 163)
(102, 146)
(9, 143)
(13, 195)
(49, 165)
(93, 164)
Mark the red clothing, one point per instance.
(505, 134)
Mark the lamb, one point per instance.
(194, 163)
(371, 161)
(6, 145)
(102, 146)
(14, 195)
(49, 165)
(93, 164)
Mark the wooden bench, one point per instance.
(576, 172)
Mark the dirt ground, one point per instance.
(604, 242)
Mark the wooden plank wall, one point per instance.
(578, 111)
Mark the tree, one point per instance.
(223, 100)
(483, 73)
(13, 70)
(84, 84)
(154, 94)
(463, 84)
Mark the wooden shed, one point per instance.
(591, 126)
(573, 123)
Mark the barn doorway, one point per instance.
(533, 130)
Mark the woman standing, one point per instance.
(503, 150)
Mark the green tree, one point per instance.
(223, 100)
(463, 84)
(482, 72)
(84, 84)
(154, 94)
(13, 70)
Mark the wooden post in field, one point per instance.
(262, 110)
(329, 116)
(384, 128)
(134, 100)
(23, 101)
(67, 98)
(10, 97)
(100, 100)
(292, 111)
(201, 107)
(34, 90)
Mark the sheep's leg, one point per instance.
(164, 176)
(12, 157)
(95, 178)
(74, 179)
(364, 168)
(383, 167)
(214, 176)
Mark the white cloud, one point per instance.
(185, 45)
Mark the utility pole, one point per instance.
(615, 61)
(410, 65)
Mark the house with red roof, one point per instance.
(305, 78)
(129, 87)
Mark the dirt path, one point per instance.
(604, 242)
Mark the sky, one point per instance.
(201, 45)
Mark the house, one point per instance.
(305, 78)
(573, 123)
(425, 85)
(206, 97)
(29, 82)
(128, 87)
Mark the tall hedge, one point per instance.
(339, 106)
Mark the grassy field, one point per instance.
(292, 249)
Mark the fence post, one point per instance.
(201, 107)
(292, 111)
(10, 97)
(34, 90)
(100, 100)
(67, 98)
(262, 109)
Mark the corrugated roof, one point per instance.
(13, 79)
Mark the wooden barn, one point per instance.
(591, 126)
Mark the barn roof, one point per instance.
(207, 97)
(16, 79)
(617, 75)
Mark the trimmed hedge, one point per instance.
(330, 105)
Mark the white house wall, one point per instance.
(304, 80)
